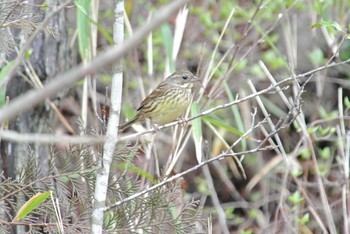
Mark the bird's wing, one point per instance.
(153, 95)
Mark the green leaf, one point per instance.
(305, 219)
(325, 153)
(256, 71)
(247, 231)
(80, 7)
(44, 6)
(316, 57)
(221, 124)
(129, 167)
(297, 172)
(305, 153)
(83, 25)
(67, 178)
(346, 102)
(202, 185)
(312, 129)
(274, 60)
(253, 213)
(295, 198)
(31, 204)
(332, 24)
(28, 53)
(344, 50)
(327, 115)
(327, 130)
(168, 44)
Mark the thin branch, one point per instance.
(196, 167)
(104, 165)
(237, 101)
(14, 136)
(52, 139)
(289, 118)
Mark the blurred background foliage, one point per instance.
(236, 41)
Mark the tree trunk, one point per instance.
(50, 55)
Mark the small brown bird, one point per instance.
(168, 101)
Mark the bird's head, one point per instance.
(184, 79)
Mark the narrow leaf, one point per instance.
(83, 25)
(168, 44)
(31, 204)
(332, 24)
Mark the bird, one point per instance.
(167, 102)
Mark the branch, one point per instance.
(282, 123)
(50, 139)
(237, 101)
(219, 157)
(103, 171)
(14, 136)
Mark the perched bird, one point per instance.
(168, 101)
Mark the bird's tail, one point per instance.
(126, 125)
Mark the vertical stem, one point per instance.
(112, 128)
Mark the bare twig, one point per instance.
(49, 138)
(14, 136)
(237, 101)
(196, 167)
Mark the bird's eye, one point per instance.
(185, 77)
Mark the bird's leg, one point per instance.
(155, 127)
(182, 121)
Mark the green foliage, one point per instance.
(130, 168)
(296, 172)
(347, 102)
(154, 212)
(305, 153)
(167, 39)
(331, 24)
(344, 50)
(83, 24)
(295, 198)
(325, 153)
(74, 185)
(202, 185)
(31, 204)
(327, 114)
(305, 219)
(316, 57)
(44, 6)
(221, 124)
(274, 61)
(247, 231)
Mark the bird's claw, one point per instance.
(182, 121)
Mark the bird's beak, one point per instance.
(195, 79)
